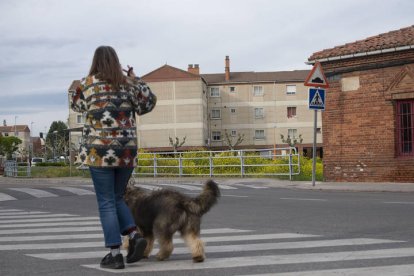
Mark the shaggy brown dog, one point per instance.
(159, 214)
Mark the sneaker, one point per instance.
(136, 249)
(110, 261)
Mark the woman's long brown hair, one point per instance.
(105, 66)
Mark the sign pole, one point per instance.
(317, 79)
(315, 123)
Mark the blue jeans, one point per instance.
(116, 217)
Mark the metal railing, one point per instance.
(255, 162)
(13, 169)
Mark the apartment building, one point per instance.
(75, 120)
(203, 108)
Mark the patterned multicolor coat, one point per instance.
(109, 133)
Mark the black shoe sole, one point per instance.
(139, 249)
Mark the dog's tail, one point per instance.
(204, 201)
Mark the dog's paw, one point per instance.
(161, 257)
(198, 259)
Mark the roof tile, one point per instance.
(393, 39)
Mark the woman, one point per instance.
(110, 100)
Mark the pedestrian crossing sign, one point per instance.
(316, 98)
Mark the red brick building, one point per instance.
(369, 118)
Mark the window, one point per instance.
(405, 116)
(233, 133)
(258, 112)
(232, 110)
(216, 135)
(257, 90)
(318, 130)
(214, 92)
(6, 134)
(291, 111)
(292, 133)
(290, 89)
(259, 134)
(232, 89)
(80, 119)
(215, 114)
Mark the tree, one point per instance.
(292, 142)
(176, 145)
(9, 145)
(58, 138)
(229, 140)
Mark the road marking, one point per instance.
(34, 192)
(61, 217)
(186, 186)
(10, 210)
(297, 198)
(51, 237)
(148, 187)
(220, 195)
(76, 191)
(249, 186)
(223, 231)
(50, 230)
(175, 241)
(49, 224)
(5, 197)
(231, 262)
(399, 202)
(226, 248)
(23, 213)
(30, 217)
(93, 236)
(392, 270)
(221, 186)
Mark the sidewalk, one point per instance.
(266, 182)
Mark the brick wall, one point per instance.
(359, 125)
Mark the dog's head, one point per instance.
(132, 192)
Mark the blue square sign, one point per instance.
(317, 98)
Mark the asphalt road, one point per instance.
(52, 228)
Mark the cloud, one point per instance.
(35, 102)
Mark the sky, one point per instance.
(46, 44)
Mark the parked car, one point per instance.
(37, 160)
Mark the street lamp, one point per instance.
(31, 141)
(54, 145)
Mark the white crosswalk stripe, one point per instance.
(56, 217)
(392, 270)
(22, 213)
(30, 216)
(55, 238)
(5, 197)
(233, 262)
(34, 192)
(76, 191)
(8, 211)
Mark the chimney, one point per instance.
(194, 69)
(227, 69)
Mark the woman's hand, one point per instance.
(130, 72)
